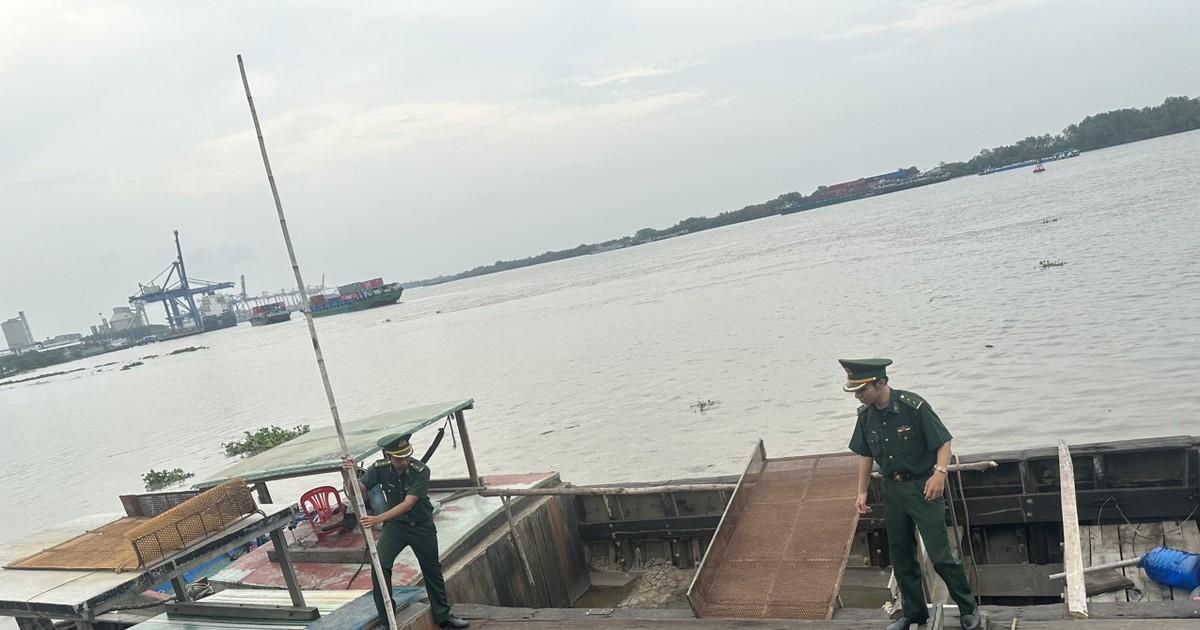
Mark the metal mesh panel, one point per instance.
(207, 513)
(780, 551)
(148, 505)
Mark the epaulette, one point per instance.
(861, 409)
(417, 465)
(912, 400)
(382, 462)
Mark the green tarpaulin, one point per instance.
(318, 451)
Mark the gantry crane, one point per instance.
(176, 291)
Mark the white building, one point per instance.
(16, 333)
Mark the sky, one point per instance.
(414, 139)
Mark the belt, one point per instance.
(907, 476)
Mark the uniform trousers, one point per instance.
(423, 539)
(905, 511)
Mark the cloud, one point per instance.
(315, 137)
(625, 76)
(937, 14)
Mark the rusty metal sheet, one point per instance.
(781, 548)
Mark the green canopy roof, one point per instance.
(319, 451)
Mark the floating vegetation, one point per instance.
(261, 440)
(131, 365)
(149, 356)
(1046, 264)
(39, 376)
(159, 479)
(107, 364)
(1045, 221)
(187, 349)
(704, 405)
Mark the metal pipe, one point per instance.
(1100, 567)
(353, 488)
(604, 491)
(958, 467)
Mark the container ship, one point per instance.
(356, 296)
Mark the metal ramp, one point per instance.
(780, 550)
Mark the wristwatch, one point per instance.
(941, 469)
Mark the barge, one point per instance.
(527, 547)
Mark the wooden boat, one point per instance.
(1131, 496)
(543, 546)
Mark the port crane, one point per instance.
(176, 291)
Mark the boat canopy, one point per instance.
(319, 451)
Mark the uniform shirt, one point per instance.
(413, 481)
(904, 437)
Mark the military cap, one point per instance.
(396, 444)
(859, 372)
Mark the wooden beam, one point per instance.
(319, 555)
(1076, 591)
(472, 472)
(675, 527)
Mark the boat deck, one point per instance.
(336, 563)
(1102, 544)
(1112, 616)
(769, 624)
(81, 594)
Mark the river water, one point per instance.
(592, 366)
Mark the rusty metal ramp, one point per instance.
(780, 550)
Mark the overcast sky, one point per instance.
(412, 139)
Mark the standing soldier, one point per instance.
(899, 431)
(408, 522)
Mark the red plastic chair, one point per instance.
(319, 504)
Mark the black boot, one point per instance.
(454, 622)
(903, 623)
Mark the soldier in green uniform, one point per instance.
(408, 522)
(899, 431)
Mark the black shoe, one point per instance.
(903, 623)
(970, 621)
(454, 622)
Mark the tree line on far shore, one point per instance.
(1176, 114)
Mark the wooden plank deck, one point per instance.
(1106, 616)
(824, 624)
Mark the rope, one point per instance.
(967, 518)
(453, 438)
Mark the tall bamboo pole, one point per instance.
(351, 484)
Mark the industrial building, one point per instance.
(17, 334)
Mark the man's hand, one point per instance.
(370, 521)
(861, 503)
(349, 465)
(934, 486)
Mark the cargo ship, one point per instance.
(216, 322)
(356, 296)
(269, 314)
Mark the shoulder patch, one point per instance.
(417, 466)
(861, 408)
(912, 400)
(382, 462)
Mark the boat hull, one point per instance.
(384, 296)
(270, 319)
